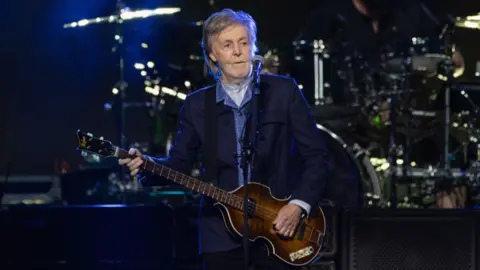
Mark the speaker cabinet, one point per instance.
(86, 237)
(410, 240)
(330, 244)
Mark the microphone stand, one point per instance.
(248, 159)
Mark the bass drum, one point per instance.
(352, 180)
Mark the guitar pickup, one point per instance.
(301, 229)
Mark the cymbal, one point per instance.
(470, 22)
(125, 15)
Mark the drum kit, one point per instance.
(389, 133)
(387, 137)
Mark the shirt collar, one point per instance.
(220, 90)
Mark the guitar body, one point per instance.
(299, 250)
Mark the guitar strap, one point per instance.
(210, 151)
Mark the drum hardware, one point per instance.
(377, 197)
(420, 57)
(448, 36)
(426, 53)
(271, 62)
(350, 79)
(318, 54)
(394, 150)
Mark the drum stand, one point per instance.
(394, 149)
(318, 50)
(448, 85)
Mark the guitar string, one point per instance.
(237, 200)
(165, 170)
(267, 214)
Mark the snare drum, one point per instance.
(426, 54)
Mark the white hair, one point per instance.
(219, 21)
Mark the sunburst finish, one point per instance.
(261, 226)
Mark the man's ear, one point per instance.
(212, 57)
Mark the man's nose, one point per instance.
(236, 50)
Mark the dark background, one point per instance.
(55, 81)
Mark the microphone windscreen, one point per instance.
(258, 58)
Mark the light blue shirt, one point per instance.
(239, 113)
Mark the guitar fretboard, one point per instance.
(187, 181)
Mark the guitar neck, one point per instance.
(187, 181)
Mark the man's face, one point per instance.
(231, 49)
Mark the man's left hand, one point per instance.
(287, 220)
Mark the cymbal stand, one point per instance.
(394, 149)
(448, 85)
(351, 81)
(409, 110)
(121, 84)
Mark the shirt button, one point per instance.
(240, 113)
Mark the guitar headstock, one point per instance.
(88, 143)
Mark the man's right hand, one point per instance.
(132, 164)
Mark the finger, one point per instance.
(135, 163)
(134, 152)
(138, 161)
(283, 231)
(134, 172)
(291, 233)
(279, 225)
(124, 161)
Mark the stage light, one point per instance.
(139, 66)
(181, 96)
(169, 91)
(125, 15)
(151, 90)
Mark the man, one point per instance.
(229, 44)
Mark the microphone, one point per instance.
(257, 68)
